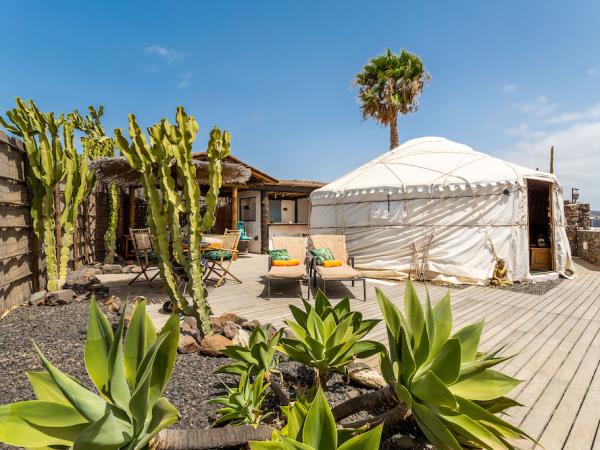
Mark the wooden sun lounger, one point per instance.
(346, 272)
(296, 247)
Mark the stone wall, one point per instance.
(588, 245)
(577, 217)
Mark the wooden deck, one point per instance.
(555, 337)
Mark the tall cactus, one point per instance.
(78, 186)
(47, 167)
(172, 145)
(53, 159)
(552, 159)
(99, 145)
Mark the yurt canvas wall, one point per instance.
(438, 210)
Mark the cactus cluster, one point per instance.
(165, 161)
(53, 159)
(98, 145)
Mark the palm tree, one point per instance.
(390, 85)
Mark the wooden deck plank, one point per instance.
(564, 415)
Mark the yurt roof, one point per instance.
(430, 163)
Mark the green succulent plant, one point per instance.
(447, 383)
(130, 375)
(312, 426)
(165, 152)
(98, 144)
(243, 403)
(328, 338)
(52, 160)
(260, 355)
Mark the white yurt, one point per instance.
(435, 209)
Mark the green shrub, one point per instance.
(243, 404)
(313, 427)
(130, 375)
(444, 380)
(260, 355)
(328, 338)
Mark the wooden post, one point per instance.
(86, 229)
(35, 261)
(234, 208)
(264, 222)
(131, 208)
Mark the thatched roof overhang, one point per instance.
(257, 177)
(117, 170)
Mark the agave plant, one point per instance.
(447, 383)
(312, 426)
(328, 338)
(260, 355)
(130, 375)
(243, 404)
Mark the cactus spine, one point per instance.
(172, 144)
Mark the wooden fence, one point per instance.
(22, 269)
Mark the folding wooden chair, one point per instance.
(219, 261)
(144, 253)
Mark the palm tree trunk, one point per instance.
(394, 133)
(199, 439)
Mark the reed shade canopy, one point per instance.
(117, 170)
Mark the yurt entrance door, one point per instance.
(541, 244)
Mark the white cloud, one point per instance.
(517, 130)
(577, 156)
(539, 106)
(168, 54)
(592, 71)
(510, 87)
(591, 113)
(183, 80)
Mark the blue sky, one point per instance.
(509, 78)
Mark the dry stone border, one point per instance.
(56, 298)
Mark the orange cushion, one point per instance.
(285, 262)
(332, 263)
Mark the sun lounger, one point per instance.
(346, 272)
(296, 248)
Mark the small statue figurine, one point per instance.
(500, 276)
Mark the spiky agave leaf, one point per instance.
(260, 355)
(328, 338)
(243, 403)
(447, 383)
(130, 374)
(312, 427)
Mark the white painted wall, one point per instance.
(303, 210)
(252, 226)
(288, 211)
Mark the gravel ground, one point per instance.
(538, 288)
(60, 332)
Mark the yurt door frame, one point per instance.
(540, 220)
